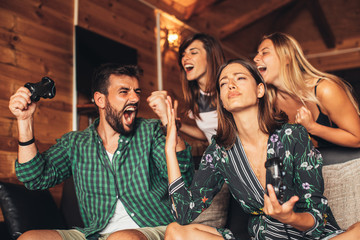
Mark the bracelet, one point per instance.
(27, 143)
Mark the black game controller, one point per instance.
(274, 175)
(45, 89)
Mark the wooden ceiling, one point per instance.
(323, 27)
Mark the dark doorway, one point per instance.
(93, 50)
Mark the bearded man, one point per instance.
(118, 163)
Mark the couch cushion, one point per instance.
(342, 189)
(24, 209)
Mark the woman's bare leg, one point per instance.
(353, 232)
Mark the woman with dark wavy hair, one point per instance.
(200, 55)
(250, 134)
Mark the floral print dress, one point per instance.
(302, 165)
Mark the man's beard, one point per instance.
(114, 118)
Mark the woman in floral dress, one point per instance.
(248, 134)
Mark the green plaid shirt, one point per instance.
(137, 175)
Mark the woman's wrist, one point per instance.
(293, 218)
(170, 153)
(301, 221)
(311, 128)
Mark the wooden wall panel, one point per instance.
(7, 169)
(35, 41)
(337, 62)
(55, 14)
(346, 55)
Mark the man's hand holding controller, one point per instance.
(23, 105)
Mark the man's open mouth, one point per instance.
(130, 114)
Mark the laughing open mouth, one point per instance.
(261, 69)
(188, 67)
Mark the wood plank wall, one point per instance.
(35, 41)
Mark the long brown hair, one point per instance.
(268, 119)
(296, 74)
(215, 57)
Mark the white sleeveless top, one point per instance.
(208, 121)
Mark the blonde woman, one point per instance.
(321, 102)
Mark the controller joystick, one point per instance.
(45, 89)
(274, 176)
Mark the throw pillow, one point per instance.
(342, 189)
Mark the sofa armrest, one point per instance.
(4, 234)
(25, 209)
(341, 173)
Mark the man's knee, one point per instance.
(39, 235)
(29, 235)
(127, 235)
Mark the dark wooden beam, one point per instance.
(198, 7)
(321, 22)
(174, 8)
(244, 20)
(287, 15)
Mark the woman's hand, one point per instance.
(171, 135)
(283, 213)
(305, 118)
(172, 142)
